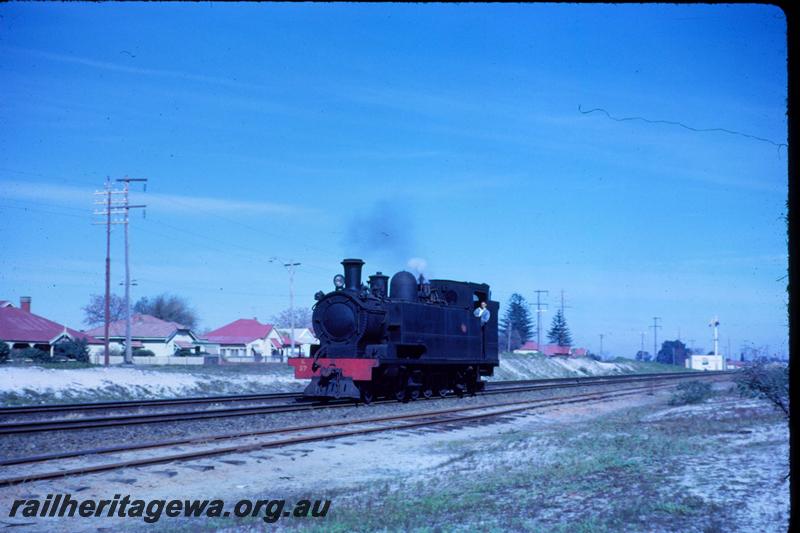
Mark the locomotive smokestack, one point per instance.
(378, 283)
(352, 273)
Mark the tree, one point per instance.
(768, 381)
(94, 313)
(516, 323)
(73, 349)
(302, 318)
(512, 343)
(643, 356)
(672, 353)
(5, 352)
(168, 307)
(559, 331)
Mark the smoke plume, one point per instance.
(382, 233)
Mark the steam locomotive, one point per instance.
(414, 337)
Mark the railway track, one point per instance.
(82, 423)
(135, 404)
(39, 468)
(206, 400)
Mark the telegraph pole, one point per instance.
(642, 348)
(291, 268)
(107, 313)
(601, 344)
(655, 327)
(539, 312)
(127, 207)
(111, 207)
(563, 306)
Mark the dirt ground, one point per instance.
(632, 464)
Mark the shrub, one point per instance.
(37, 355)
(143, 352)
(762, 380)
(73, 349)
(5, 352)
(691, 392)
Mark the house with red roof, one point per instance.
(162, 337)
(247, 340)
(303, 340)
(20, 328)
(528, 348)
(552, 350)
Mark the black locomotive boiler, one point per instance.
(401, 338)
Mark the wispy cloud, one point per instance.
(140, 71)
(219, 205)
(49, 193)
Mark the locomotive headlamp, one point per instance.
(338, 281)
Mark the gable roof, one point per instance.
(301, 336)
(240, 331)
(142, 326)
(555, 349)
(530, 345)
(22, 326)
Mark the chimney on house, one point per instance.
(25, 303)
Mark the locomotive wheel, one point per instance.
(366, 395)
(415, 394)
(443, 392)
(427, 393)
(460, 390)
(400, 395)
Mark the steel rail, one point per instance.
(180, 416)
(240, 434)
(132, 404)
(513, 407)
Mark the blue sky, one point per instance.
(450, 133)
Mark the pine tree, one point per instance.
(516, 324)
(559, 332)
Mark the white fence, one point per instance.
(99, 359)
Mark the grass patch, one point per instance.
(609, 477)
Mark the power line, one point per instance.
(127, 181)
(655, 327)
(291, 266)
(259, 231)
(563, 306)
(682, 125)
(23, 208)
(539, 312)
(111, 207)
